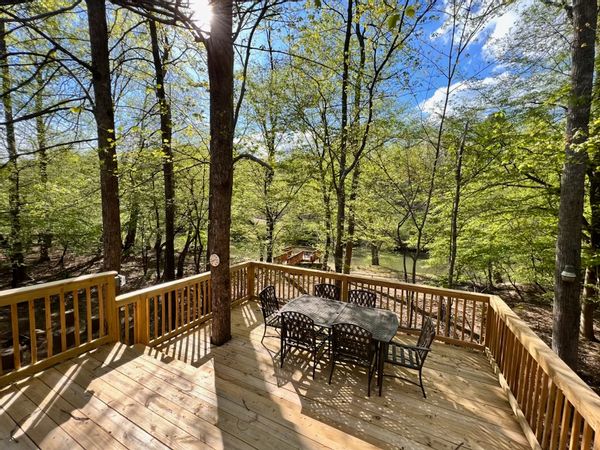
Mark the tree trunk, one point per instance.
(455, 208)
(14, 198)
(105, 123)
(567, 306)
(45, 238)
(375, 254)
(341, 182)
(132, 225)
(158, 240)
(590, 297)
(183, 254)
(351, 220)
(220, 73)
(166, 134)
(270, 233)
(325, 191)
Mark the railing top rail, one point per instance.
(38, 289)
(379, 281)
(576, 391)
(133, 295)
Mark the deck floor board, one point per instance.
(188, 394)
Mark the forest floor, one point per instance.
(528, 304)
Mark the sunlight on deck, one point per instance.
(187, 393)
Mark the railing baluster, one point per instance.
(14, 323)
(556, 420)
(549, 415)
(48, 312)
(464, 319)
(163, 308)
(32, 333)
(575, 431)
(88, 313)
(586, 438)
(543, 408)
(564, 426)
(155, 313)
(189, 301)
(63, 321)
(76, 317)
(100, 296)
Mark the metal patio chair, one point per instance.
(411, 356)
(354, 344)
(269, 305)
(362, 297)
(326, 290)
(298, 330)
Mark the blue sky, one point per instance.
(480, 67)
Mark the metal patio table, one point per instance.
(382, 324)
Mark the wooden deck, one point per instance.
(187, 394)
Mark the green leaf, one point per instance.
(410, 11)
(393, 20)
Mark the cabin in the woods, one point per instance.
(84, 367)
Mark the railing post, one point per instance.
(112, 313)
(250, 281)
(142, 324)
(344, 292)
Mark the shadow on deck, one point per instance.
(186, 393)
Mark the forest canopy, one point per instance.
(432, 129)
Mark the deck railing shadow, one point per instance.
(66, 397)
(552, 404)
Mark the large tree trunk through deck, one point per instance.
(166, 134)
(567, 306)
(105, 123)
(220, 73)
(14, 199)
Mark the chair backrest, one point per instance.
(353, 342)
(325, 290)
(297, 328)
(361, 297)
(425, 338)
(268, 301)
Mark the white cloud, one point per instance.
(488, 22)
(463, 94)
(502, 26)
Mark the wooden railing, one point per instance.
(459, 316)
(557, 410)
(43, 325)
(48, 323)
(156, 313)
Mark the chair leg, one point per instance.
(380, 363)
(331, 371)
(264, 333)
(421, 383)
(282, 352)
(314, 363)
